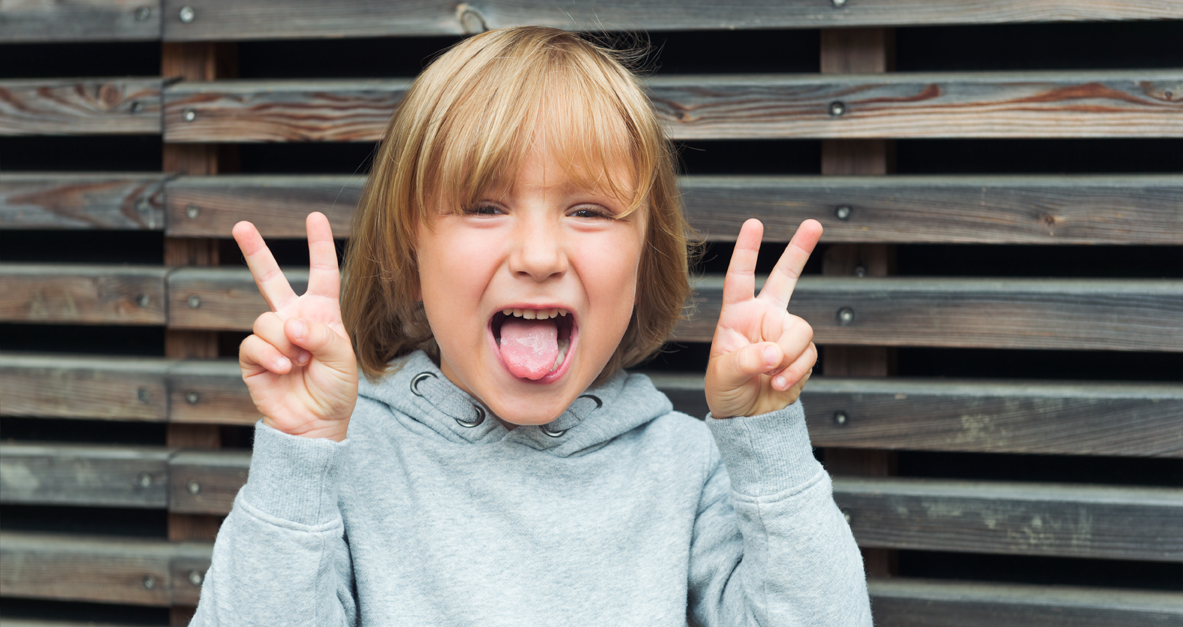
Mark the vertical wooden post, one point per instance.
(862, 51)
(193, 62)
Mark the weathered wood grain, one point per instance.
(138, 571)
(970, 415)
(206, 482)
(81, 294)
(46, 200)
(1132, 209)
(220, 298)
(905, 602)
(1145, 103)
(227, 19)
(103, 476)
(200, 206)
(90, 106)
(1068, 520)
(24, 21)
(209, 391)
(67, 386)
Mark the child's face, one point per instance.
(538, 245)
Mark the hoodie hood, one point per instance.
(419, 391)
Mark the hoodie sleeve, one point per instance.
(281, 556)
(770, 546)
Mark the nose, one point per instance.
(538, 250)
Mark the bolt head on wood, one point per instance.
(149, 582)
(843, 212)
(837, 109)
(187, 15)
(195, 577)
(143, 300)
(194, 302)
(145, 480)
(860, 271)
(845, 316)
(143, 13)
(136, 106)
(472, 22)
(189, 115)
(193, 486)
(192, 211)
(144, 395)
(840, 418)
(846, 515)
(192, 397)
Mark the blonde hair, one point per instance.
(469, 120)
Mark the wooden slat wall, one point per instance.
(861, 421)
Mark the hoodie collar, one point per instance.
(420, 390)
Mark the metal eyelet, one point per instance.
(553, 434)
(480, 417)
(599, 403)
(419, 379)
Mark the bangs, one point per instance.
(562, 95)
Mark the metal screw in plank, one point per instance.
(149, 582)
(846, 515)
(843, 212)
(838, 4)
(136, 106)
(194, 302)
(145, 480)
(143, 300)
(189, 115)
(195, 577)
(194, 487)
(144, 395)
(840, 418)
(187, 15)
(470, 21)
(860, 271)
(143, 13)
(143, 205)
(192, 397)
(837, 109)
(192, 211)
(845, 316)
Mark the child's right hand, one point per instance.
(299, 364)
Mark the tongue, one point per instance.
(529, 347)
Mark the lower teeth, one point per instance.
(563, 346)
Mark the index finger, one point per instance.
(323, 277)
(780, 284)
(739, 284)
(272, 284)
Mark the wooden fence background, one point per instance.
(998, 296)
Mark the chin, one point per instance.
(532, 412)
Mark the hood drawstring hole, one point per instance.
(419, 379)
(480, 417)
(553, 434)
(599, 403)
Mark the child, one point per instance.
(520, 242)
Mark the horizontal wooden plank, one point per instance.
(278, 19)
(1066, 520)
(25, 21)
(905, 602)
(82, 294)
(89, 106)
(66, 386)
(220, 298)
(67, 474)
(206, 482)
(1044, 417)
(1145, 103)
(137, 571)
(209, 391)
(1132, 209)
(46, 200)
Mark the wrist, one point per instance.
(335, 430)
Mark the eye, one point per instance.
(482, 209)
(592, 211)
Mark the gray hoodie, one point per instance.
(620, 512)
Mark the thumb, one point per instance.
(326, 345)
(733, 370)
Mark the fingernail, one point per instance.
(780, 383)
(770, 356)
(298, 328)
(303, 357)
(283, 362)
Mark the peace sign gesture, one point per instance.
(761, 355)
(299, 364)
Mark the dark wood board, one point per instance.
(1066, 520)
(81, 294)
(136, 571)
(89, 106)
(904, 602)
(66, 386)
(206, 482)
(220, 298)
(1131, 209)
(281, 19)
(48, 200)
(26, 21)
(209, 392)
(1144, 103)
(91, 475)
(1039, 417)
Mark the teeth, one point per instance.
(563, 346)
(535, 314)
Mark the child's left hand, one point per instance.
(761, 355)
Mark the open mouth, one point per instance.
(533, 343)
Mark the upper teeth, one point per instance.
(535, 314)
